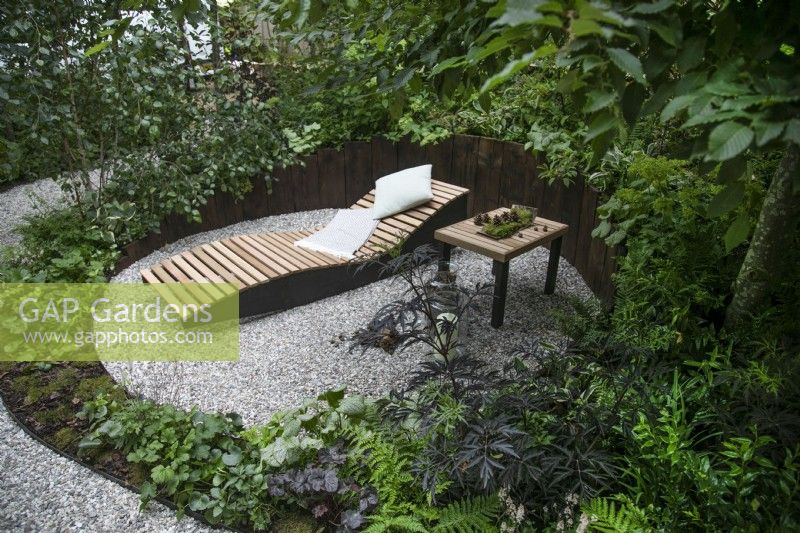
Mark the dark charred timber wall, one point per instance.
(498, 173)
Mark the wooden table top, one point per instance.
(465, 234)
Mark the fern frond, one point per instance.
(606, 518)
(471, 515)
(387, 463)
(404, 523)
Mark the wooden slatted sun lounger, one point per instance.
(273, 274)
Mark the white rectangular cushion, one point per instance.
(402, 190)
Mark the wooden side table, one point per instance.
(465, 234)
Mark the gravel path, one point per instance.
(288, 356)
(40, 490)
(24, 200)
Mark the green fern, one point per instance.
(471, 515)
(606, 518)
(398, 524)
(388, 468)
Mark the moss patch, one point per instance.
(63, 438)
(89, 388)
(58, 415)
(296, 524)
(37, 385)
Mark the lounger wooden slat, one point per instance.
(280, 247)
(211, 276)
(149, 277)
(198, 265)
(286, 267)
(364, 203)
(175, 272)
(388, 236)
(231, 266)
(445, 189)
(160, 287)
(197, 277)
(226, 273)
(176, 294)
(426, 211)
(235, 255)
(249, 259)
(411, 221)
(264, 256)
(434, 204)
(311, 258)
(162, 275)
(264, 266)
(196, 292)
(442, 195)
(394, 225)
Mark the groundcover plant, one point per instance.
(674, 405)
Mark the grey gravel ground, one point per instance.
(24, 200)
(40, 490)
(21, 201)
(288, 356)
(284, 357)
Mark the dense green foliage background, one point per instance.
(655, 416)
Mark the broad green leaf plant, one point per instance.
(709, 68)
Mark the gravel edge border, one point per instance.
(119, 481)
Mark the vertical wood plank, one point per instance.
(410, 155)
(256, 202)
(513, 179)
(487, 174)
(585, 226)
(465, 162)
(165, 229)
(571, 215)
(282, 199)
(306, 177)
(384, 157)
(297, 175)
(358, 170)
(221, 200)
(534, 186)
(152, 242)
(227, 209)
(440, 155)
(550, 205)
(605, 287)
(597, 257)
(332, 178)
(237, 210)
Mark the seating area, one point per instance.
(272, 273)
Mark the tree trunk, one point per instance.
(187, 54)
(213, 23)
(766, 254)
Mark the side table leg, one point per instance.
(552, 266)
(444, 257)
(500, 270)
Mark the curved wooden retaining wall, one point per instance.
(498, 173)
